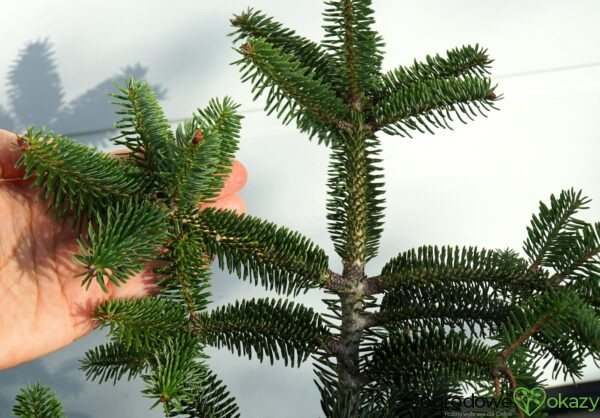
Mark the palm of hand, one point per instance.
(42, 306)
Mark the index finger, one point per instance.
(9, 154)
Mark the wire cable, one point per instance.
(258, 109)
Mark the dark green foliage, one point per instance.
(457, 305)
(120, 242)
(567, 356)
(76, 179)
(439, 265)
(354, 46)
(433, 102)
(423, 398)
(577, 259)
(206, 146)
(467, 288)
(554, 312)
(134, 210)
(221, 119)
(145, 129)
(112, 361)
(189, 165)
(348, 63)
(172, 369)
(134, 322)
(549, 309)
(340, 405)
(37, 401)
(273, 328)
(196, 163)
(438, 302)
(260, 251)
(355, 205)
(313, 57)
(404, 357)
(293, 92)
(552, 227)
(185, 278)
(459, 62)
(174, 375)
(451, 321)
(211, 400)
(306, 82)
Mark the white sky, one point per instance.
(477, 185)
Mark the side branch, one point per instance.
(509, 375)
(258, 250)
(292, 331)
(313, 57)
(293, 89)
(372, 285)
(507, 351)
(513, 385)
(459, 62)
(431, 102)
(339, 284)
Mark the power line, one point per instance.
(550, 70)
(172, 121)
(258, 109)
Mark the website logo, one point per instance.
(529, 400)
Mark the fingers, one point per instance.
(236, 180)
(120, 152)
(8, 156)
(232, 202)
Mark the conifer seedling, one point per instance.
(437, 322)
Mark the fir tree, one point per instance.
(38, 401)
(448, 319)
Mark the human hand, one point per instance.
(42, 306)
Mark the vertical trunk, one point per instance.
(351, 334)
(352, 299)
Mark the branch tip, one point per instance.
(246, 49)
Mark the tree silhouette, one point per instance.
(36, 95)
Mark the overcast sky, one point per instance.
(476, 185)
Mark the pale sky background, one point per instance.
(476, 185)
